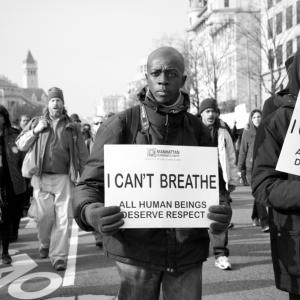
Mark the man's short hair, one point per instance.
(170, 51)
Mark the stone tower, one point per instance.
(30, 78)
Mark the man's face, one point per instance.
(55, 106)
(165, 78)
(24, 121)
(256, 119)
(209, 116)
(96, 124)
(86, 128)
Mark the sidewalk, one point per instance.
(252, 275)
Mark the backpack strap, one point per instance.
(132, 123)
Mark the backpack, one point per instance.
(132, 117)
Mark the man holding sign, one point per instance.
(149, 259)
(276, 182)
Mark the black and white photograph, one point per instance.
(150, 150)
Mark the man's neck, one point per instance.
(173, 102)
(208, 125)
(55, 118)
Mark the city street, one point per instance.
(90, 275)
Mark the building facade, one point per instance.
(111, 104)
(280, 39)
(136, 84)
(228, 60)
(29, 99)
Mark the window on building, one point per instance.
(279, 23)
(270, 28)
(279, 55)
(271, 59)
(298, 12)
(289, 17)
(289, 48)
(270, 3)
(298, 42)
(226, 3)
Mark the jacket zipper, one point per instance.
(167, 129)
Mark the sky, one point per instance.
(89, 48)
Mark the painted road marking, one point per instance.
(69, 277)
(29, 223)
(96, 297)
(84, 233)
(21, 264)
(15, 289)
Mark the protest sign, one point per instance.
(289, 158)
(162, 186)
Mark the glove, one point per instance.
(221, 214)
(106, 220)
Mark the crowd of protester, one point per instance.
(54, 165)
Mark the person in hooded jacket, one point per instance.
(280, 191)
(149, 260)
(259, 212)
(12, 184)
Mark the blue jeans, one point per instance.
(219, 243)
(139, 283)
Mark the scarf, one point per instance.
(175, 108)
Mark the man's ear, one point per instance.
(146, 76)
(183, 80)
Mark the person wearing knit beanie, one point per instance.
(208, 103)
(60, 155)
(55, 92)
(228, 177)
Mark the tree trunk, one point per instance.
(216, 89)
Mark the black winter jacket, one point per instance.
(246, 150)
(164, 249)
(14, 159)
(281, 192)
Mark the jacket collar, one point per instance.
(182, 105)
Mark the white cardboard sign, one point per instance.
(159, 186)
(289, 158)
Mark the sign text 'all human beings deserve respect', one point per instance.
(159, 186)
